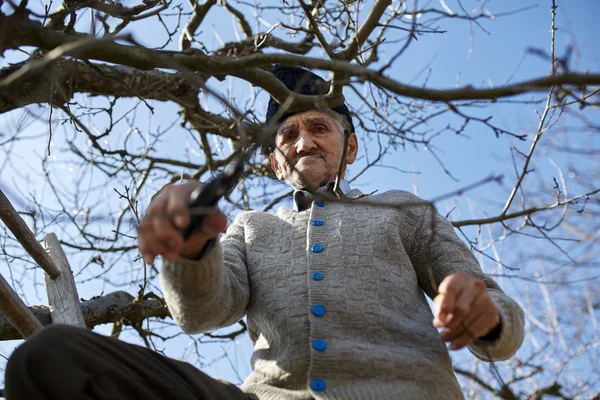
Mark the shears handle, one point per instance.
(204, 197)
(208, 196)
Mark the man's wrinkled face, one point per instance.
(310, 145)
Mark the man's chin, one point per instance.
(309, 181)
(309, 161)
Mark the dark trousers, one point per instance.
(66, 363)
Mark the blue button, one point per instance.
(319, 345)
(319, 204)
(317, 248)
(318, 310)
(318, 222)
(317, 276)
(318, 385)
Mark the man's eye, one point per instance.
(321, 129)
(288, 136)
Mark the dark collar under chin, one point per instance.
(303, 198)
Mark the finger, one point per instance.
(465, 302)
(145, 244)
(179, 212)
(465, 328)
(449, 289)
(158, 204)
(437, 301)
(145, 229)
(483, 322)
(176, 216)
(483, 325)
(214, 223)
(211, 226)
(178, 204)
(147, 255)
(478, 325)
(458, 338)
(166, 238)
(462, 341)
(153, 244)
(481, 305)
(448, 335)
(476, 329)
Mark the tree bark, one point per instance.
(113, 307)
(59, 83)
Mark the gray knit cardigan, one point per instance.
(334, 297)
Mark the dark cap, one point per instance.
(301, 81)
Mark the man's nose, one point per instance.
(305, 142)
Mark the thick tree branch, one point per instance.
(33, 34)
(443, 95)
(117, 10)
(113, 307)
(67, 77)
(263, 40)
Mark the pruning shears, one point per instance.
(208, 196)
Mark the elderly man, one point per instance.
(334, 291)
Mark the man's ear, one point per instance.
(352, 150)
(275, 165)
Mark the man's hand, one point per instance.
(464, 309)
(160, 230)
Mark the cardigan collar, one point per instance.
(303, 199)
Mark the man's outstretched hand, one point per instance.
(160, 232)
(464, 309)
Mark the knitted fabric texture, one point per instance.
(373, 264)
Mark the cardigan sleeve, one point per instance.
(438, 252)
(212, 292)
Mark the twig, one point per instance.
(461, 191)
(528, 211)
(540, 129)
(200, 11)
(370, 23)
(316, 30)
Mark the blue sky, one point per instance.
(490, 59)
